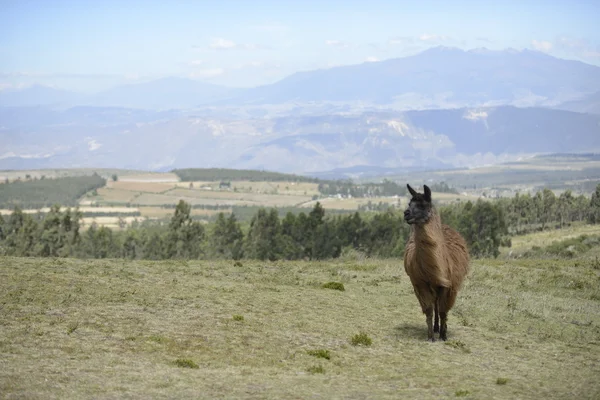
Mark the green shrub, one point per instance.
(320, 354)
(334, 285)
(186, 363)
(361, 339)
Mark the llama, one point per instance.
(436, 260)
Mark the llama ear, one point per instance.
(427, 193)
(411, 190)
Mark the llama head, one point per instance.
(420, 207)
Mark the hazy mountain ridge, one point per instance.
(138, 139)
(587, 104)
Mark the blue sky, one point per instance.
(92, 45)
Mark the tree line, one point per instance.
(225, 174)
(486, 226)
(38, 193)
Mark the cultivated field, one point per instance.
(560, 172)
(147, 193)
(525, 329)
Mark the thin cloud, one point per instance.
(258, 65)
(427, 37)
(226, 44)
(401, 40)
(573, 47)
(195, 63)
(372, 59)
(337, 43)
(542, 45)
(222, 44)
(207, 73)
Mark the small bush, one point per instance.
(334, 285)
(316, 369)
(361, 339)
(238, 264)
(462, 393)
(501, 381)
(320, 354)
(186, 363)
(238, 317)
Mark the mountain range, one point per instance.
(441, 108)
(441, 77)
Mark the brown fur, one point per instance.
(437, 260)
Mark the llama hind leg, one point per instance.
(436, 320)
(443, 326)
(446, 301)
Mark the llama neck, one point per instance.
(429, 234)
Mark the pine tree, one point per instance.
(185, 236)
(264, 240)
(227, 238)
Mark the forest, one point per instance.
(38, 193)
(485, 224)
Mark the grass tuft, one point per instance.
(238, 317)
(185, 363)
(316, 369)
(334, 285)
(501, 381)
(462, 393)
(321, 353)
(457, 344)
(361, 339)
(72, 327)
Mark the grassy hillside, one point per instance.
(120, 329)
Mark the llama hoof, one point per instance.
(431, 339)
(443, 337)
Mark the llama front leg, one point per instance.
(429, 318)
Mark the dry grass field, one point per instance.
(107, 195)
(157, 177)
(77, 329)
(150, 187)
